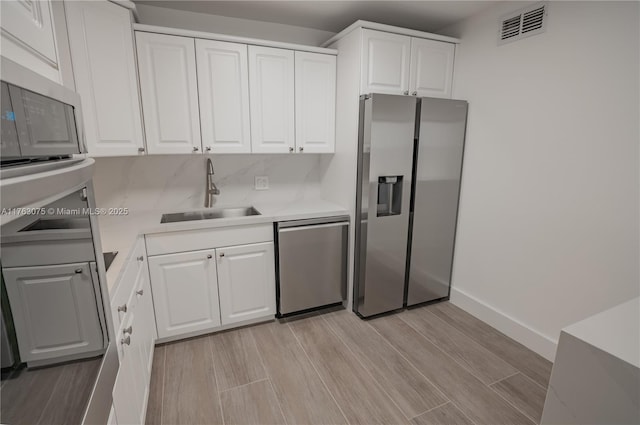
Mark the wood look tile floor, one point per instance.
(433, 365)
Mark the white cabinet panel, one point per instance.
(112, 420)
(431, 68)
(385, 62)
(315, 88)
(246, 282)
(223, 86)
(127, 389)
(167, 66)
(54, 310)
(271, 87)
(28, 36)
(102, 51)
(185, 292)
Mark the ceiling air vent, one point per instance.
(523, 23)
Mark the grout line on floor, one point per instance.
(515, 407)
(502, 379)
(215, 375)
(330, 327)
(471, 336)
(164, 381)
(463, 413)
(409, 361)
(243, 385)
(429, 410)
(326, 387)
(266, 372)
(466, 368)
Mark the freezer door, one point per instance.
(387, 129)
(437, 186)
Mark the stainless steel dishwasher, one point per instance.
(311, 263)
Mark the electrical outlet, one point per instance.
(261, 182)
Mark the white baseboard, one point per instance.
(509, 326)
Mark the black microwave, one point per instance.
(39, 120)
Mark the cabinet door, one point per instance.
(28, 36)
(101, 41)
(385, 63)
(9, 141)
(246, 282)
(167, 66)
(146, 321)
(185, 292)
(54, 310)
(223, 88)
(271, 86)
(112, 420)
(431, 68)
(315, 79)
(127, 390)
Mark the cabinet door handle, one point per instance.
(128, 330)
(290, 149)
(222, 254)
(415, 93)
(406, 92)
(209, 256)
(140, 291)
(141, 150)
(196, 149)
(208, 148)
(141, 258)
(126, 340)
(301, 149)
(78, 271)
(122, 308)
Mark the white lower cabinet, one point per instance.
(200, 291)
(246, 282)
(185, 292)
(135, 338)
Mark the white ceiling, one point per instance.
(336, 15)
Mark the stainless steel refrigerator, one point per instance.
(409, 165)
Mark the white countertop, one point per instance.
(119, 233)
(615, 331)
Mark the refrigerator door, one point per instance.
(437, 186)
(385, 160)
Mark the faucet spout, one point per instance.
(210, 188)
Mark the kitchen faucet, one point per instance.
(211, 188)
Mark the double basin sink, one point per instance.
(209, 214)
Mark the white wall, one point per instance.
(171, 183)
(548, 226)
(161, 16)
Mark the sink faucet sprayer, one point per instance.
(211, 188)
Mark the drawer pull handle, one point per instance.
(122, 308)
(126, 340)
(141, 258)
(140, 291)
(209, 256)
(128, 330)
(78, 271)
(222, 254)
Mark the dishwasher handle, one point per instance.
(312, 226)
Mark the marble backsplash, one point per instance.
(177, 182)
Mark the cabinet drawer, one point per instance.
(193, 240)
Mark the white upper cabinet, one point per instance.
(28, 36)
(271, 86)
(185, 292)
(385, 63)
(223, 87)
(246, 282)
(102, 51)
(167, 66)
(315, 87)
(431, 68)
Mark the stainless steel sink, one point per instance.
(209, 214)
